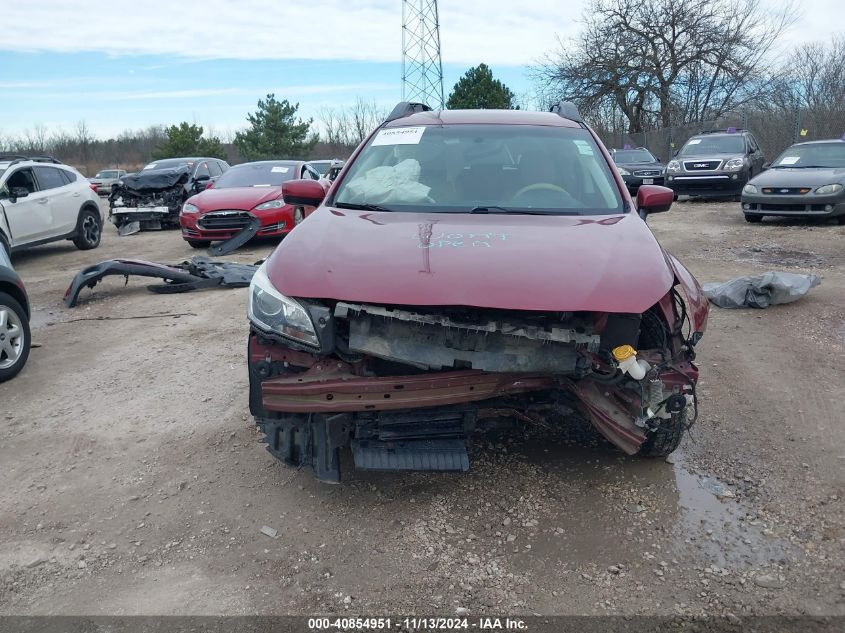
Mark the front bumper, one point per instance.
(807, 205)
(712, 184)
(635, 182)
(122, 215)
(277, 223)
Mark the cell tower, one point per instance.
(422, 70)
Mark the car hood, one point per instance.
(245, 198)
(799, 177)
(702, 157)
(519, 262)
(156, 179)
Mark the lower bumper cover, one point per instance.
(799, 206)
(727, 184)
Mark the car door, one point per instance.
(64, 199)
(756, 155)
(29, 217)
(202, 176)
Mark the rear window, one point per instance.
(257, 175)
(456, 168)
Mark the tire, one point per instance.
(840, 219)
(754, 218)
(298, 215)
(14, 348)
(199, 243)
(666, 438)
(89, 230)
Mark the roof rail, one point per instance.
(406, 108)
(17, 158)
(567, 110)
(730, 130)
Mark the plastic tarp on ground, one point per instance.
(760, 291)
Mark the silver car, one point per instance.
(104, 179)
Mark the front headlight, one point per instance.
(826, 190)
(749, 188)
(190, 208)
(673, 166)
(271, 311)
(623, 171)
(272, 204)
(735, 164)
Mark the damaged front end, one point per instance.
(148, 200)
(405, 387)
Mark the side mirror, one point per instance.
(309, 193)
(202, 178)
(675, 153)
(654, 199)
(766, 166)
(18, 192)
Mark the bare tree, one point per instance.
(660, 63)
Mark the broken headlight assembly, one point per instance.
(272, 312)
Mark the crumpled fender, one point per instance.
(697, 303)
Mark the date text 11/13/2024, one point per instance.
(344, 624)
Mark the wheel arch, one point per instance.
(16, 293)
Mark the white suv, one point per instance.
(42, 200)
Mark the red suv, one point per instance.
(469, 267)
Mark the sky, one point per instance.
(121, 66)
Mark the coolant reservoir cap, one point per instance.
(623, 352)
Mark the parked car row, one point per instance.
(807, 180)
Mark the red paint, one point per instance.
(521, 262)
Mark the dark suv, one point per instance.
(638, 166)
(715, 164)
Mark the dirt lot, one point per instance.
(134, 483)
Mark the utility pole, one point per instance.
(422, 70)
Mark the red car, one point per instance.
(469, 268)
(242, 193)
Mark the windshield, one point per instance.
(813, 155)
(170, 163)
(626, 157)
(256, 175)
(714, 145)
(482, 168)
(106, 174)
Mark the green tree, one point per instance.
(478, 90)
(275, 133)
(186, 139)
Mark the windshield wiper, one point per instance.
(363, 206)
(495, 209)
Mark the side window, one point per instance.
(214, 168)
(223, 165)
(22, 178)
(48, 178)
(314, 173)
(202, 170)
(753, 143)
(304, 172)
(68, 176)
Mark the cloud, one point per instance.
(493, 31)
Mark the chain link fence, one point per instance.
(774, 130)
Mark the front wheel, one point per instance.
(666, 438)
(199, 243)
(15, 338)
(753, 218)
(89, 229)
(298, 215)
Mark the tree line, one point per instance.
(644, 65)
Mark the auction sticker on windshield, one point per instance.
(399, 136)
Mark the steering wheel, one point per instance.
(540, 186)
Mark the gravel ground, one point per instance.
(134, 483)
